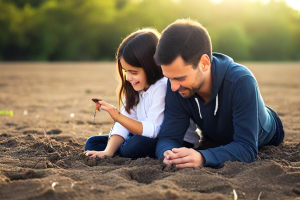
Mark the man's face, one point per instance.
(184, 78)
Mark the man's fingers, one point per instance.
(181, 153)
(167, 162)
(180, 160)
(168, 152)
(185, 165)
(176, 150)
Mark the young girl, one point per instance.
(142, 94)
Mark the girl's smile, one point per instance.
(135, 75)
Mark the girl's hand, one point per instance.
(100, 154)
(113, 111)
(96, 100)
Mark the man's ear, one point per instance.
(204, 63)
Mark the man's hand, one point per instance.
(167, 155)
(184, 158)
(100, 154)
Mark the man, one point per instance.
(221, 96)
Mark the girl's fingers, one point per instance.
(103, 103)
(106, 105)
(88, 153)
(98, 106)
(105, 108)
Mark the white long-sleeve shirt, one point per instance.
(150, 111)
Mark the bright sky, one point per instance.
(293, 3)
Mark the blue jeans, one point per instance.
(135, 146)
(279, 135)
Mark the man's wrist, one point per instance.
(202, 159)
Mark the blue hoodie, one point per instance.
(235, 117)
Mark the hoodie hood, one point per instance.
(220, 62)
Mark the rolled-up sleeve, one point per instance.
(155, 115)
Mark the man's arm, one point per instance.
(246, 126)
(175, 124)
(244, 145)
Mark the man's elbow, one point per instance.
(252, 155)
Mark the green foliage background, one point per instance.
(75, 30)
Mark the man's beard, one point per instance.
(191, 92)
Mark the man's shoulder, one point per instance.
(237, 71)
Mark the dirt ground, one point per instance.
(56, 97)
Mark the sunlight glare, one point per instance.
(217, 1)
(295, 4)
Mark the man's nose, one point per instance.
(174, 86)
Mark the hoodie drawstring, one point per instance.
(216, 106)
(198, 107)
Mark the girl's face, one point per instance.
(135, 75)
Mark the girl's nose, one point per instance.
(128, 77)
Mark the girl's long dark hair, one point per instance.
(137, 49)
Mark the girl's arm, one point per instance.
(133, 126)
(113, 144)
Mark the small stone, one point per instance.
(60, 163)
(18, 169)
(49, 165)
(171, 194)
(91, 162)
(30, 137)
(50, 149)
(41, 165)
(54, 157)
(296, 190)
(82, 156)
(11, 124)
(4, 135)
(54, 132)
(30, 131)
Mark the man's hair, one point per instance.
(185, 38)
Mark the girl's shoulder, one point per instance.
(159, 86)
(160, 83)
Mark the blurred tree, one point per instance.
(271, 34)
(93, 29)
(232, 41)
